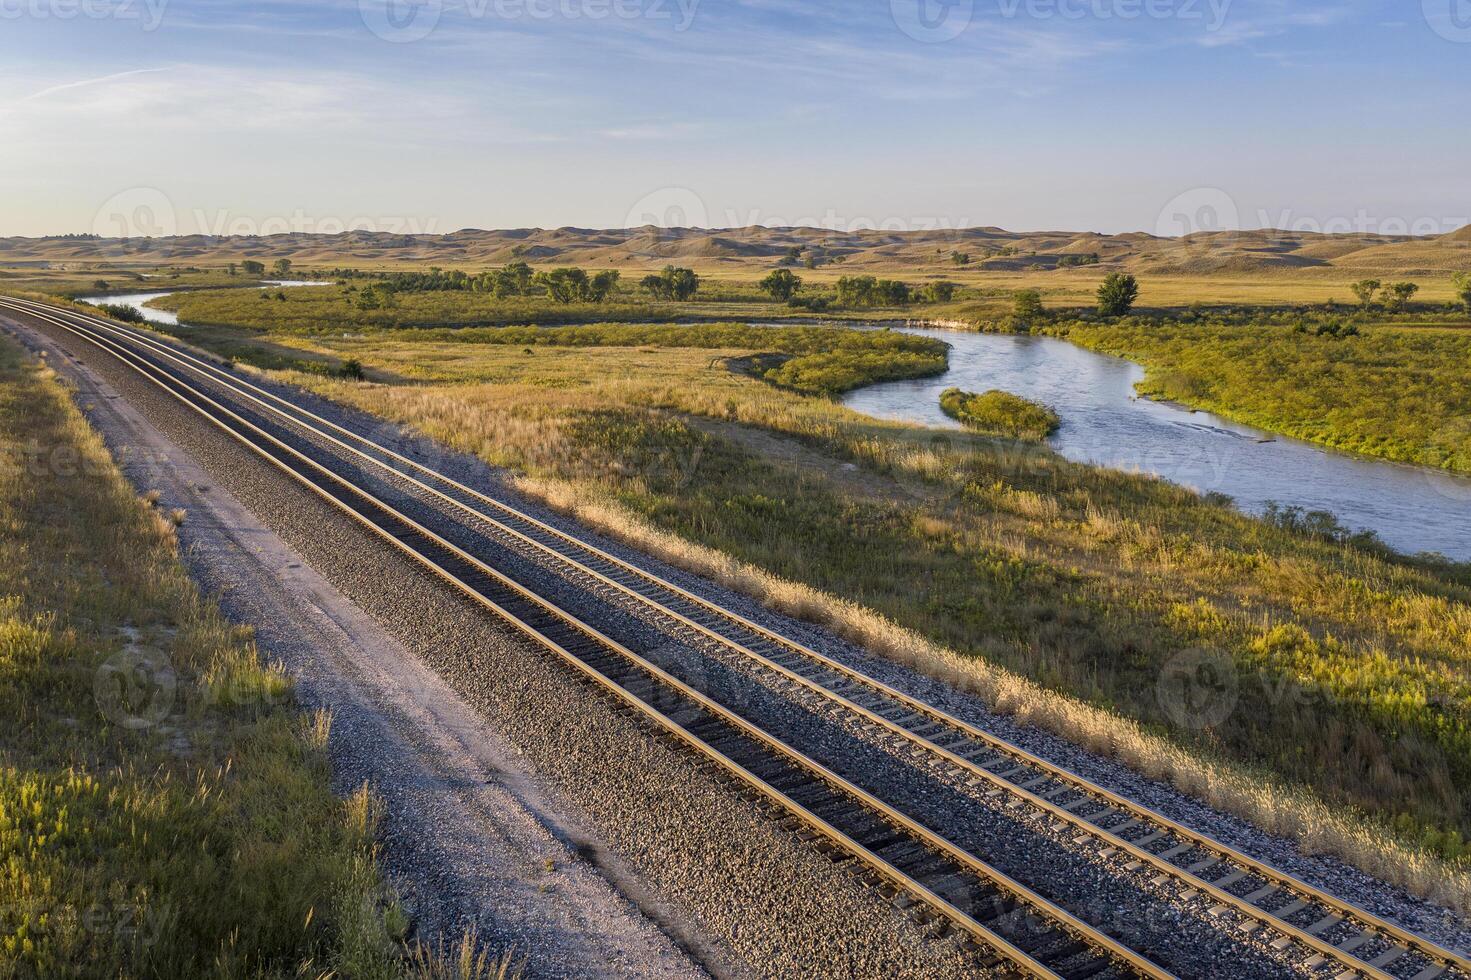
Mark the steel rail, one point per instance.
(1063, 919)
(1367, 922)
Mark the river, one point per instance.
(1411, 508)
(139, 301)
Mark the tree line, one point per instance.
(1396, 296)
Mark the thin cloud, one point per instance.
(85, 83)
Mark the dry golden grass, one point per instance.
(1271, 805)
(1064, 541)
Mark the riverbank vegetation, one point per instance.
(1000, 413)
(1068, 595)
(164, 811)
(516, 295)
(1396, 392)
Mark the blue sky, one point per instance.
(433, 115)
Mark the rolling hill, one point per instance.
(988, 249)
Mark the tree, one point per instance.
(253, 268)
(563, 285)
(1397, 294)
(1364, 291)
(940, 291)
(282, 267)
(1462, 282)
(100, 284)
(683, 283)
(602, 285)
(892, 292)
(1117, 294)
(657, 287)
(856, 290)
(1027, 303)
(781, 284)
(231, 269)
(793, 254)
(868, 291)
(672, 283)
(514, 279)
(960, 258)
(570, 285)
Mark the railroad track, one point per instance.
(1329, 935)
(1014, 928)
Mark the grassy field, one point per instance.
(1074, 597)
(1393, 386)
(164, 810)
(1386, 390)
(731, 294)
(73, 282)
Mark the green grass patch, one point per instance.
(1000, 413)
(164, 808)
(815, 360)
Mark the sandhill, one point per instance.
(1233, 253)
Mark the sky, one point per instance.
(426, 116)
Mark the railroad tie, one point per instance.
(1387, 957)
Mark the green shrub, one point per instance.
(1000, 413)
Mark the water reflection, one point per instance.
(1411, 508)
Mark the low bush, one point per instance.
(1000, 413)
